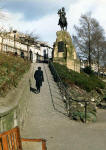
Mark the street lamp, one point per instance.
(15, 42)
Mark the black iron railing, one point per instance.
(67, 99)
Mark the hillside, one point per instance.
(82, 87)
(11, 70)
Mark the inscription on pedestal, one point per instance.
(61, 46)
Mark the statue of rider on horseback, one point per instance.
(62, 20)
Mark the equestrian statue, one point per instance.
(62, 20)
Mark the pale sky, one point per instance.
(40, 16)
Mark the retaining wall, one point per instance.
(14, 107)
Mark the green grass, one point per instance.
(84, 81)
(11, 70)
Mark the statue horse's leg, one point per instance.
(61, 28)
(66, 26)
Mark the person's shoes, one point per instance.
(38, 91)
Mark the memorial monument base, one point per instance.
(64, 51)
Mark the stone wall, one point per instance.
(14, 107)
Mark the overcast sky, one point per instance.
(40, 16)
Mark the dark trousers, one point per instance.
(38, 85)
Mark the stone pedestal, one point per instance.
(64, 51)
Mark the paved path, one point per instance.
(61, 133)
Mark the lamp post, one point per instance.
(31, 55)
(15, 42)
(27, 43)
(47, 53)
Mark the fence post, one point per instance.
(85, 111)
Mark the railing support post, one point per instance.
(85, 111)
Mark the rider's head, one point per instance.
(63, 8)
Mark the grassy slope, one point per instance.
(82, 80)
(11, 70)
(81, 86)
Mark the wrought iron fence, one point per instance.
(67, 99)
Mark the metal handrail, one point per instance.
(65, 94)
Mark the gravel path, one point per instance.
(46, 119)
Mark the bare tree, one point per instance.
(3, 35)
(89, 38)
(83, 38)
(98, 45)
(29, 38)
(104, 54)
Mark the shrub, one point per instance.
(84, 81)
(88, 70)
(81, 116)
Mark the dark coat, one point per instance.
(39, 77)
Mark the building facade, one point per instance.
(19, 44)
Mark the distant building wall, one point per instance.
(11, 43)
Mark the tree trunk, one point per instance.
(98, 62)
(89, 46)
(2, 45)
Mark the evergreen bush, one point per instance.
(83, 80)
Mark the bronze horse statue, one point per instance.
(62, 20)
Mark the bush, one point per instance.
(81, 116)
(88, 70)
(82, 80)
